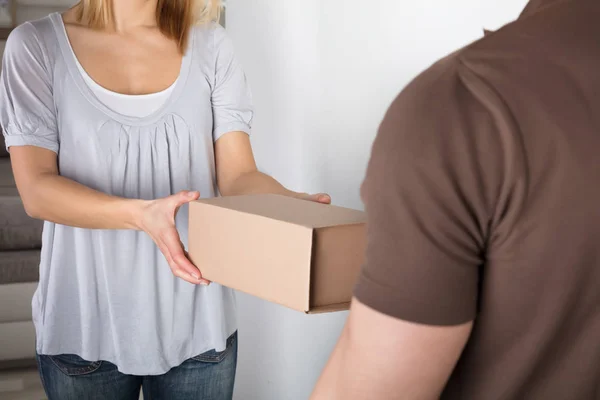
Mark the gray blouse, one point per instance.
(109, 294)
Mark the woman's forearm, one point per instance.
(255, 183)
(57, 199)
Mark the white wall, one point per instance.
(323, 73)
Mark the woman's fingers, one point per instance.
(172, 242)
(183, 197)
(203, 281)
(183, 275)
(187, 255)
(159, 223)
(174, 267)
(322, 198)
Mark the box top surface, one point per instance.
(290, 210)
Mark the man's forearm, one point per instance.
(327, 387)
(255, 183)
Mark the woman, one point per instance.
(116, 114)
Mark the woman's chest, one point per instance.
(133, 64)
(91, 133)
(80, 112)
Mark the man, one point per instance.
(482, 275)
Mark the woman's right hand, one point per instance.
(158, 220)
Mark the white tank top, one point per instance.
(138, 106)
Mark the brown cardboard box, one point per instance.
(296, 253)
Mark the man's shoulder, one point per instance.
(470, 76)
(448, 86)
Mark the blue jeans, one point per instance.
(208, 376)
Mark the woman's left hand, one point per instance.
(322, 198)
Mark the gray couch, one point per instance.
(20, 243)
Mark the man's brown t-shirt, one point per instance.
(483, 202)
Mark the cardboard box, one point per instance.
(296, 253)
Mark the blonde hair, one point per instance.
(173, 17)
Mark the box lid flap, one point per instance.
(329, 308)
(291, 210)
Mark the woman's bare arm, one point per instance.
(48, 196)
(237, 173)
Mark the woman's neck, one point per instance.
(131, 14)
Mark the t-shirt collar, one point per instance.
(535, 6)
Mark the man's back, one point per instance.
(537, 333)
(484, 205)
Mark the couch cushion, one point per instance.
(15, 304)
(17, 230)
(3, 152)
(6, 177)
(19, 266)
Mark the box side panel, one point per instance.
(266, 258)
(338, 258)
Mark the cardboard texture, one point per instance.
(302, 255)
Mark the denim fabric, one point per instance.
(208, 376)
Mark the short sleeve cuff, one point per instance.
(221, 130)
(391, 302)
(30, 140)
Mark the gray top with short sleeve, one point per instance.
(109, 294)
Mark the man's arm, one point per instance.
(434, 187)
(237, 173)
(381, 357)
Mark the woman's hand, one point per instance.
(158, 220)
(317, 198)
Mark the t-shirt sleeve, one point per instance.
(231, 96)
(432, 185)
(27, 111)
